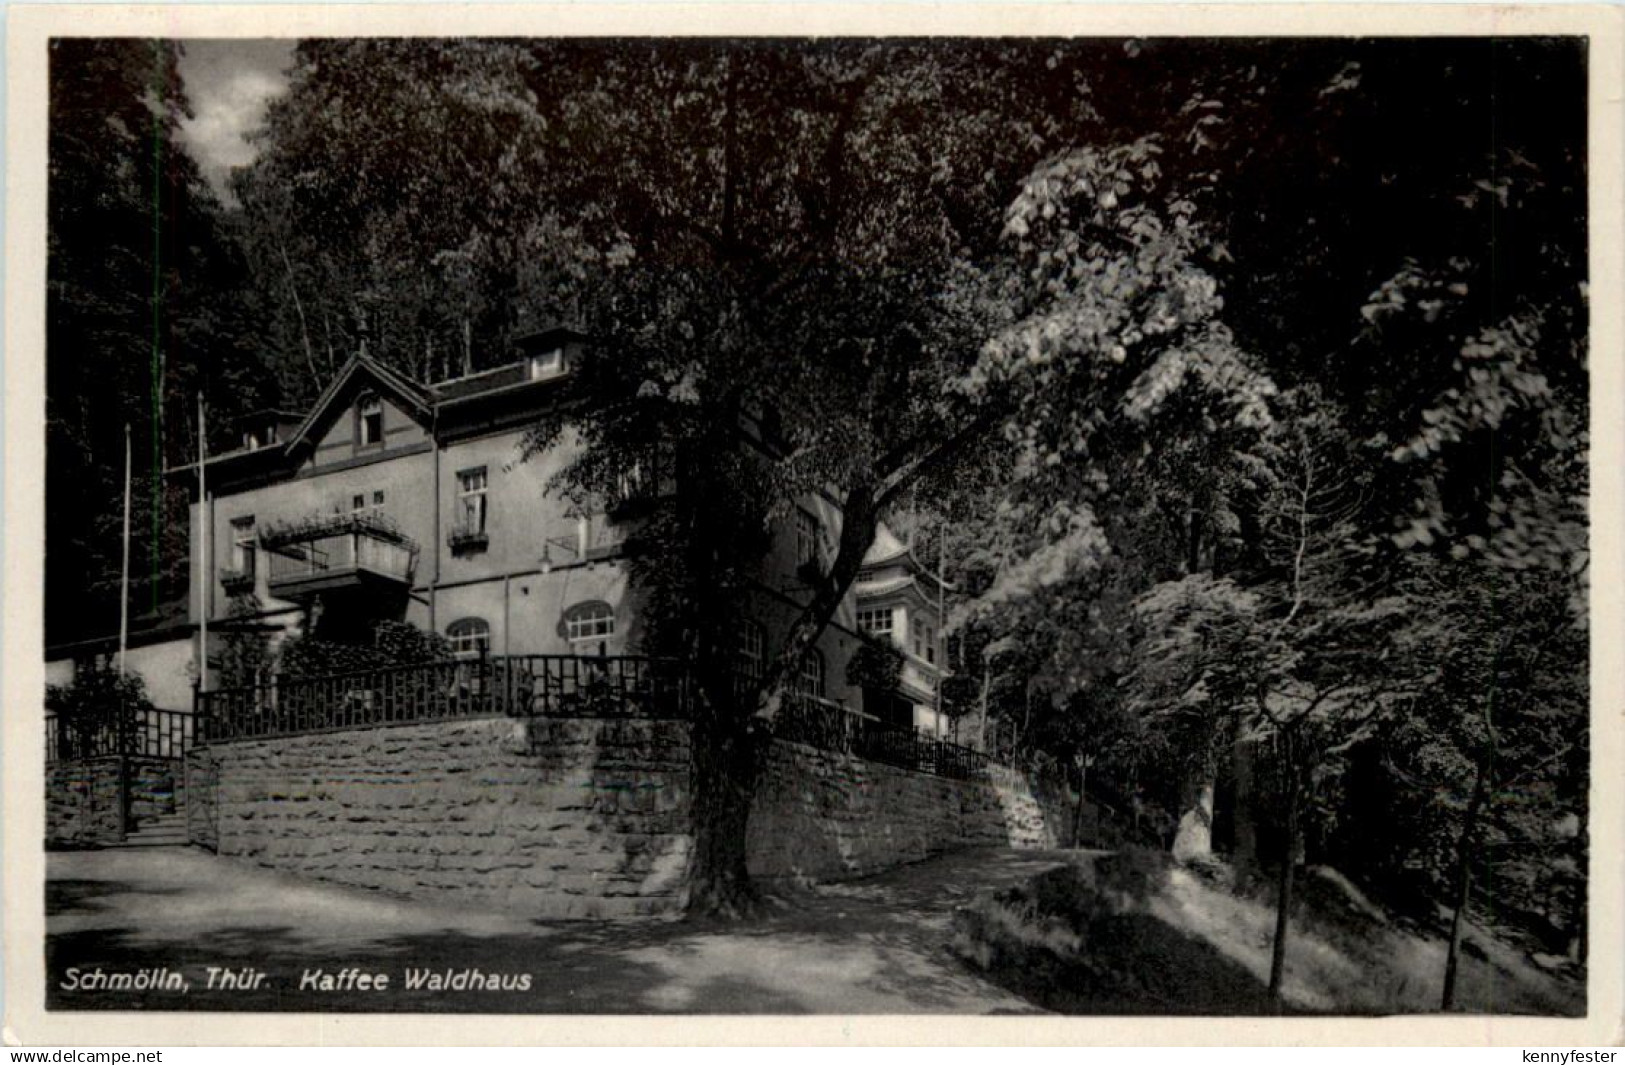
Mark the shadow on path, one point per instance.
(871, 946)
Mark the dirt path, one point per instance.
(872, 946)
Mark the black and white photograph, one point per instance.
(1038, 525)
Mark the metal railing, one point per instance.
(834, 727)
(147, 733)
(339, 553)
(500, 686)
(590, 686)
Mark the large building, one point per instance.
(396, 499)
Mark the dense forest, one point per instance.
(1240, 386)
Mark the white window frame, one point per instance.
(809, 679)
(473, 503)
(545, 365)
(877, 621)
(752, 648)
(473, 642)
(589, 621)
(809, 537)
(243, 543)
(365, 408)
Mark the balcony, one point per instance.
(467, 538)
(343, 551)
(237, 581)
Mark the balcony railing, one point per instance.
(335, 552)
(237, 581)
(467, 537)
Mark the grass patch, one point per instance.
(1131, 933)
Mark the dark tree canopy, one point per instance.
(1241, 383)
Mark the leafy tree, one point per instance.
(814, 245)
(244, 652)
(1304, 647)
(143, 311)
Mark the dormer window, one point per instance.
(545, 364)
(370, 413)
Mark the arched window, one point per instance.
(593, 620)
(751, 643)
(469, 637)
(810, 677)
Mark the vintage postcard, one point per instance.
(813, 524)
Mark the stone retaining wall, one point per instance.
(85, 797)
(822, 815)
(83, 803)
(572, 817)
(548, 817)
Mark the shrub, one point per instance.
(98, 703)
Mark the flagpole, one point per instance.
(124, 573)
(205, 536)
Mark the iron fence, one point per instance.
(150, 733)
(833, 727)
(491, 686)
(596, 686)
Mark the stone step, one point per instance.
(165, 830)
(138, 840)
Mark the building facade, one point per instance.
(392, 499)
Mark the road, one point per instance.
(865, 947)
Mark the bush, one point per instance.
(393, 643)
(96, 708)
(1053, 911)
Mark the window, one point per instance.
(242, 545)
(589, 621)
(358, 503)
(751, 654)
(809, 538)
(876, 622)
(469, 637)
(809, 679)
(370, 412)
(470, 640)
(547, 364)
(378, 501)
(471, 501)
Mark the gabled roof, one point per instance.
(888, 552)
(886, 548)
(360, 372)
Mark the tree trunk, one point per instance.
(1244, 849)
(726, 763)
(1464, 885)
(1193, 841)
(981, 723)
(1284, 884)
(1288, 870)
(1077, 814)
